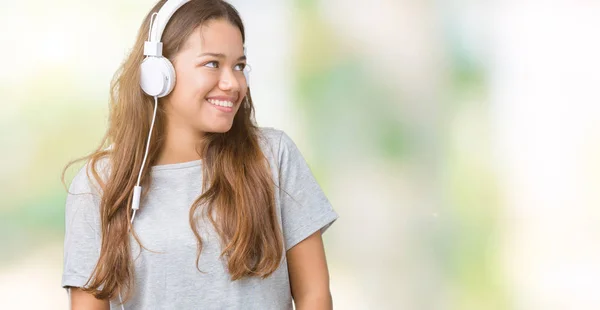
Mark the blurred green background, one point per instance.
(458, 140)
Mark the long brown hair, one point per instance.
(237, 181)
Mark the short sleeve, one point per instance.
(304, 207)
(82, 231)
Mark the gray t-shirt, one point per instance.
(167, 278)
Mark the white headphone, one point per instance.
(157, 76)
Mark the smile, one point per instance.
(221, 103)
(224, 106)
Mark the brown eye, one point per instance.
(212, 64)
(240, 66)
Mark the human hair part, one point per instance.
(238, 188)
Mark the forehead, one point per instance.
(218, 35)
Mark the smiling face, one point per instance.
(210, 84)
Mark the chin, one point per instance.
(221, 129)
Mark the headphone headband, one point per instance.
(153, 47)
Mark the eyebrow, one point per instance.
(218, 55)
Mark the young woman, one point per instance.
(186, 203)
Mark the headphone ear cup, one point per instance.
(157, 76)
(171, 77)
(247, 76)
(246, 71)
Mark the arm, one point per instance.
(83, 300)
(309, 277)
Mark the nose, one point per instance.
(228, 81)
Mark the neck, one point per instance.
(179, 146)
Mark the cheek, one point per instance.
(243, 88)
(193, 84)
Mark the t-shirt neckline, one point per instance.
(182, 165)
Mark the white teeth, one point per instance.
(228, 104)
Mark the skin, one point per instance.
(189, 115)
(81, 300)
